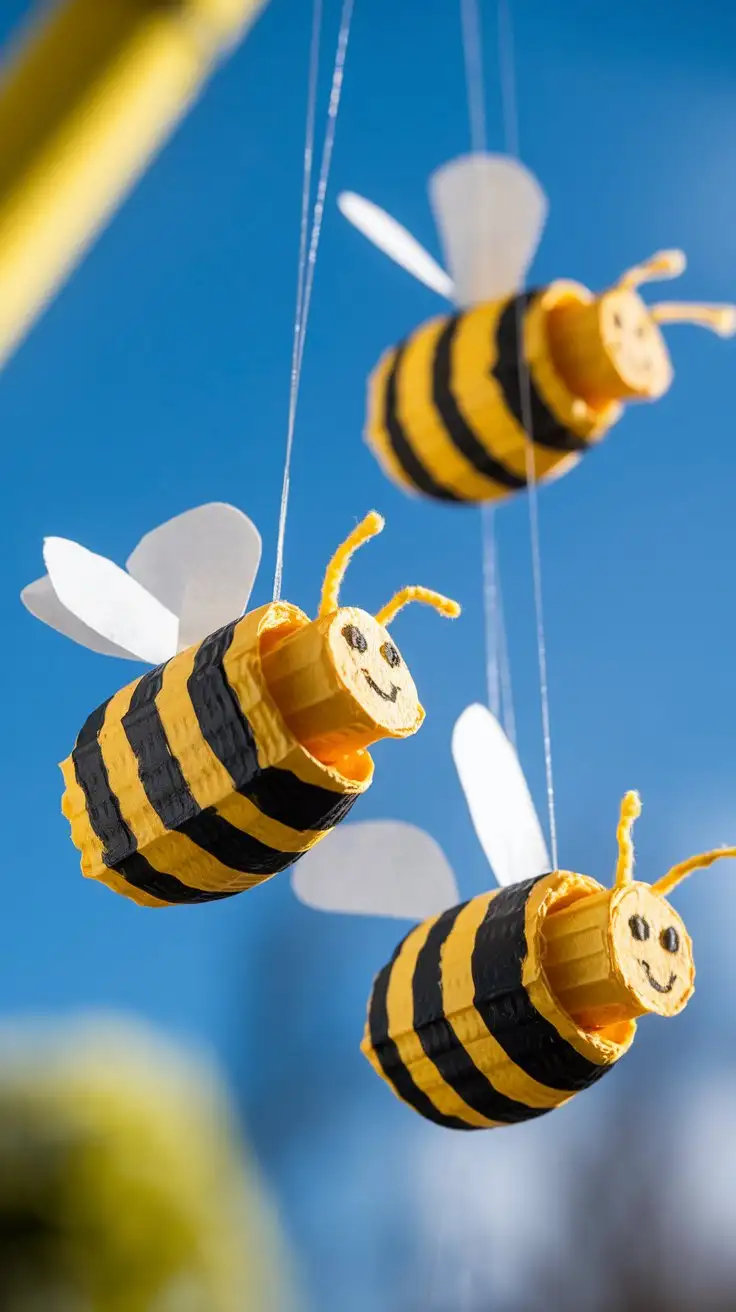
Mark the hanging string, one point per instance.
(508, 718)
(301, 278)
(507, 63)
(511, 136)
(308, 254)
(490, 610)
(474, 82)
(497, 672)
(498, 669)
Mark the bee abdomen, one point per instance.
(188, 787)
(461, 407)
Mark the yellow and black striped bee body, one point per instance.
(230, 759)
(187, 785)
(458, 408)
(515, 387)
(463, 1025)
(504, 1007)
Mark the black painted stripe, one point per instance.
(281, 796)
(222, 723)
(529, 1040)
(442, 1045)
(171, 798)
(158, 769)
(92, 725)
(390, 1061)
(102, 806)
(400, 445)
(137, 872)
(456, 426)
(233, 848)
(517, 384)
(276, 793)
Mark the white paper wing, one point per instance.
(41, 600)
(377, 868)
(201, 565)
(394, 240)
(498, 798)
(110, 602)
(490, 212)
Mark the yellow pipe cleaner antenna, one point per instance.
(685, 868)
(335, 572)
(444, 605)
(720, 319)
(664, 264)
(630, 811)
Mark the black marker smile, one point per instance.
(387, 696)
(660, 988)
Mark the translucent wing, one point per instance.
(110, 602)
(201, 565)
(498, 798)
(41, 600)
(490, 212)
(377, 868)
(395, 241)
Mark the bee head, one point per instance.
(630, 331)
(650, 947)
(610, 348)
(340, 681)
(618, 953)
(364, 656)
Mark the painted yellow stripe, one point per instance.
(207, 779)
(481, 400)
(400, 1006)
(168, 852)
(458, 992)
(74, 807)
(376, 434)
(175, 854)
(367, 1049)
(423, 426)
(122, 772)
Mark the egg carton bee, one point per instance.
(248, 741)
(501, 1008)
(467, 405)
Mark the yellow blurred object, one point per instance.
(123, 1184)
(85, 102)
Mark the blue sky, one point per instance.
(158, 379)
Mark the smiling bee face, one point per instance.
(617, 953)
(651, 951)
(608, 349)
(373, 673)
(340, 682)
(634, 345)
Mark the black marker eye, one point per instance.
(639, 928)
(390, 655)
(670, 939)
(617, 321)
(354, 638)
